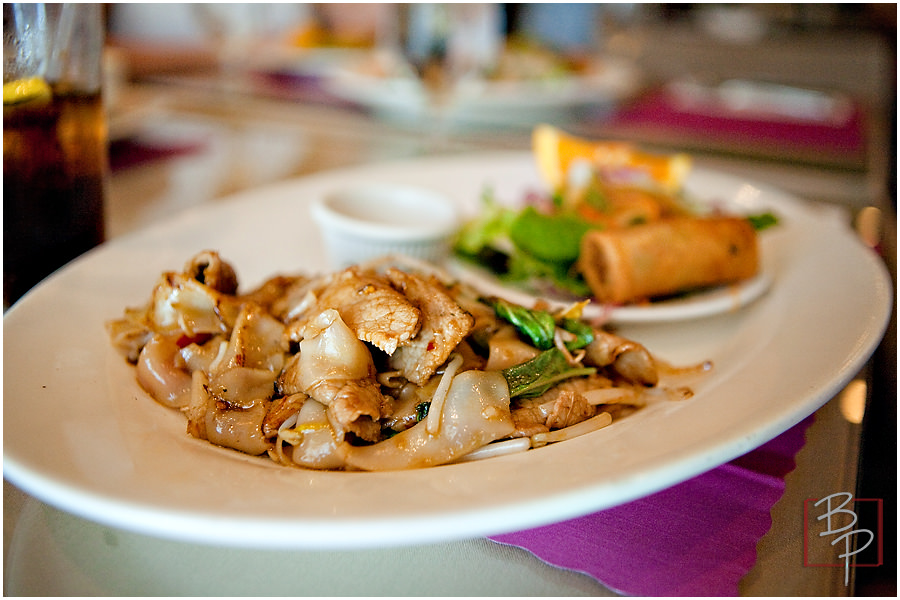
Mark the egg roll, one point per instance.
(666, 257)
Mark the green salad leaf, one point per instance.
(525, 245)
(487, 230)
(552, 238)
(763, 220)
(526, 269)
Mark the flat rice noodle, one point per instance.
(160, 376)
(182, 304)
(330, 353)
(238, 428)
(242, 386)
(256, 340)
(475, 412)
(317, 448)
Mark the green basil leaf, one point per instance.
(537, 325)
(536, 376)
(584, 333)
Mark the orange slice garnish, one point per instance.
(555, 151)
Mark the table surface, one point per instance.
(232, 141)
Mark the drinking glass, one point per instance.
(230, 28)
(54, 139)
(243, 35)
(442, 45)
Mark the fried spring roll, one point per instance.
(668, 256)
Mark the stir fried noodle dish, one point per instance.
(382, 366)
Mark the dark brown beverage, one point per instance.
(54, 167)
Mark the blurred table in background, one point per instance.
(847, 163)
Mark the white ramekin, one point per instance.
(366, 222)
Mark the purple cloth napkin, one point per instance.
(697, 538)
(654, 117)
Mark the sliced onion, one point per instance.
(433, 423)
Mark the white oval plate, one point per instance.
(81, 435)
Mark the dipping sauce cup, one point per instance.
(370, 221)
(54, 139)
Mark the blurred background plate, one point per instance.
(487, 102)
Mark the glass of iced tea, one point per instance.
(54, 139)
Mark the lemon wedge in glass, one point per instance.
(26, 90)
